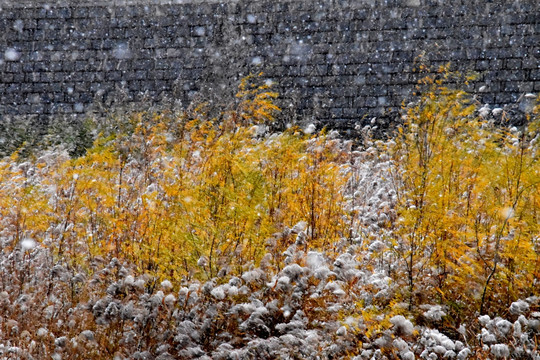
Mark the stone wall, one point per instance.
(333, 61)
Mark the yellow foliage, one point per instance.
(468, 204)
(184, 195)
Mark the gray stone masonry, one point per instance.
(336, 62)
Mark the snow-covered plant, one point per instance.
(193, 237)
(467, 200)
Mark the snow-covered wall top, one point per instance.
(332, 60)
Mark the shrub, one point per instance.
(182, 235)
(184, 195)
(468, 197)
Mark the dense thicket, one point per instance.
(186, 236)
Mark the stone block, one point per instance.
(114, 76)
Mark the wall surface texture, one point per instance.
(337, 61)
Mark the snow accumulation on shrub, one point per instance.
(185, 237)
